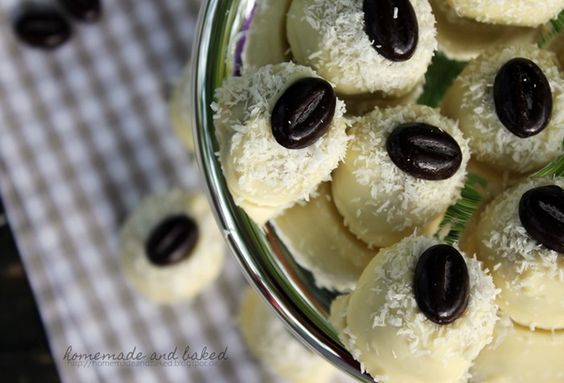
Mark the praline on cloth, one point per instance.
(182, 280)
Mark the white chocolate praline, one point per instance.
(463, 39)
(470, 100)
(258, 170)
(186, 278)
(330, 37)
(260, 214)
(529, 13)
(179, 109)
(270, 342)
(518, 355)
(265, 40)
(393, 340)
(316, 237)
(381, 203)
(530, 276)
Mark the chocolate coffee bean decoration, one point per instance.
(172, 240)
(541, 211)
(83, 10)
(41, 26)
(424, 151)
(391, 26)
(441, 284)
(303, 113)
(522, 97)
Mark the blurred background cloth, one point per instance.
(84, 136)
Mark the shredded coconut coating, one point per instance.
(395, 341)
(470, 100)
(330, 37)
(381, 203)
(463, 39)
(258, 170)
(316, 237)
(529, 13)
(270, 342)
(187, 278)
(530, 276)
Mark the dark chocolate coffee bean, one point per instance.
(83, 10)
(541, 211)
(424, 151)
(441, 284)
(172, 240)
(303, 113)
(522, 97)
(41, 26)
(392, 28)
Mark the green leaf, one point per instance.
(554, 168)
(460, 213)
(551, 29)
(438, 79)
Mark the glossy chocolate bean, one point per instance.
(41, 26)
(441, 284)
(172, 240)
(392, 28)
(522, 97)
(424, 151)
(541, 211)
(303, 113)
(83, 10)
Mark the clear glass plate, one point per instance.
(265, 261)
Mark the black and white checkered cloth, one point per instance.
(84, 136)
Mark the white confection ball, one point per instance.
(530, 275)
(330, 37)
(518, 354)
(470, 100)
(318, 240)
(259, 171)
(509, 12)
(182, 280)
(463, 39)
(270, 342)
(393, 340)
(380, 202)
(265, 40)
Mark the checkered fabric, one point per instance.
(84, 136)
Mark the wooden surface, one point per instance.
(24, 352)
